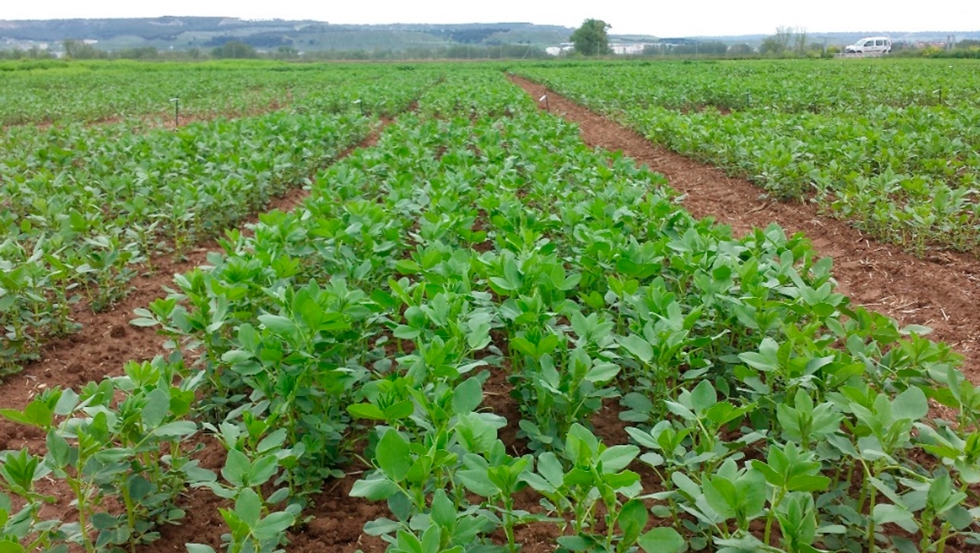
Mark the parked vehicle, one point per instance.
(870, 45)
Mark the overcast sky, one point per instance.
(661, 18)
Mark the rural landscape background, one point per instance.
(202, 37)
(284, 285)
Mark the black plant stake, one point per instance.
(176, 102)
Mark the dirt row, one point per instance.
(941, 291)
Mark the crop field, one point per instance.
(891, 146)
(82, 203)
(475, 333)
(143, 93)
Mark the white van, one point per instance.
(870, 45)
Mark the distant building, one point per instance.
(619, 49)
(631, 49)
(559, 50)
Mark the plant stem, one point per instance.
(76, 487)
(943, 536)
(871, 521)
(771, 515)
(130, 516)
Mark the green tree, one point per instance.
(287, 52)
(79, 50)
(234, 50)
(742, 49)
(591, 39)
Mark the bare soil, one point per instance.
(941, 291)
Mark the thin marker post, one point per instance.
(176, 101)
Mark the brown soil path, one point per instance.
(941, 291)
(106, 341)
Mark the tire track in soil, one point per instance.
(106, 340)
(941, 291)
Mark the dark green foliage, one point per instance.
(591, 39)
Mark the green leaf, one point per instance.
(443, 510)
(703, 396)
(273, 527)
(680, 410)
(431, 539)
(404, 332)
(809, 483)
(39, 414)
(661, 540)
(277, 324)
(156, 408)
(381, 526)
(236, 468)
(176, 429)
(139, 487)
(632, 519)
(143, 322)
(476, 481)
(894, 514)
(198, 548)
(407, 267)
(374, 489)
(408, 543)
(236, 356)
(400, 410)
(272, 441)
(263, 469)
(66, 403)
(550, 467)
(15, 415)
(366, 411)
(910, 404)
(248, 507)
(617, 458)
(602, 372)
(640, 348)
(12, 547)
(467, 396)
(685, 484)
(959, 517)
(58, 450)
(721, 495)
(751, 488)
(574, 543)
(393, 457)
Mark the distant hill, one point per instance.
(208, 32)
(186, 33)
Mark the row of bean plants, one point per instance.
(63, 92)
(482, 239)
(873, 142)
(85, 207)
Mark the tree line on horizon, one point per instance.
(591, 39)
